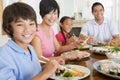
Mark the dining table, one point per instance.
(88, 63)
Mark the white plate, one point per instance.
(113, 55)
(86, 54)
(85, 47)
(96, 66)
(82, 68)
(100, 50)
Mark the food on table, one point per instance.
(110, 67)
(75, 54)
(116, 49)
(75, 72)
(114, 53)
(118, 72)
(102, 43)
(68, 74)
(101, 49)
(113, 70)
(112, 43)
(83, 46)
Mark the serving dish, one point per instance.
(76, 54)
(114, 53)
(83, 47)
(101, 49)
(97, 67)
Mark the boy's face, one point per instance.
(50, 18)
(98, 12)
(67, 25)
(23, 31)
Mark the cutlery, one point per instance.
(62, 67)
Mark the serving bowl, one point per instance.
(113, 54)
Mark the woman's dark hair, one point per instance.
(96, 4)
(61, 21)
(14, 12)
(46, 6)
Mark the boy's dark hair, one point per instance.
(61, 21)
(14, 12)
(96, 4)
(46, 6)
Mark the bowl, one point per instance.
(113, 55)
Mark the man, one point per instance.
(99, 29)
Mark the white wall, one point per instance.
(68, 8)
(3, 39)
(35, 5)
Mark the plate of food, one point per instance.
(100, 44)
(83, 47)
(114, 53)
(80, 72)
(108, 67)
(85, 54)
(76, 54)
(101, 49)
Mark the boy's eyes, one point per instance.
(22, 24)
(32, 23)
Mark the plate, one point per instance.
(86, 54)
(85, 47)
(113, 55)
(82, 68)
(100, 44)
(74, 52)
(100, 50)
(96, 66)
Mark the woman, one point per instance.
(45, 43)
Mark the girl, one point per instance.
(63, 36)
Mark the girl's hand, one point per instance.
(71, 39)
(91, 40)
